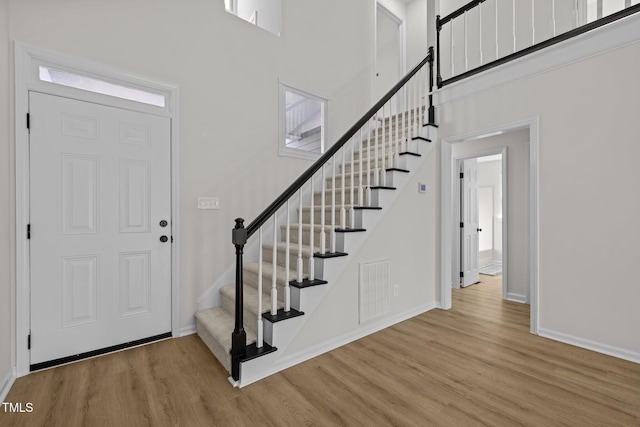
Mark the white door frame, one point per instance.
(448, 181)
(27, 59)
(402, 35)
(505, 215)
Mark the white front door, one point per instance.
(470, 223)
(100, 201)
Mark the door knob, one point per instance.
(163, 239)
(163, 223)
(479, 229)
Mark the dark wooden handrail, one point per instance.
(308, 174)
(467, 7)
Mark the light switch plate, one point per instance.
(208, 203)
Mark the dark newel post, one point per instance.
(438, 28)
(432, 110)
(239, 336)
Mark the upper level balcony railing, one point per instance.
(485, 33)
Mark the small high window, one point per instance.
(302, 123)
(264, 14)
(78, 81)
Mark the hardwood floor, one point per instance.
(475, 364)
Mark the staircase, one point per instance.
(304, 238)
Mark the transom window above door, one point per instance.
(83, 82)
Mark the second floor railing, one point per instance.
(486, 33)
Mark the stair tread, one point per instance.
(250, 297)
(219, 323)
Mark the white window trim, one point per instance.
(283, 150)
(27, 60)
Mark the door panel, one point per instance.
(99, 187)
(470, 243)
(387, 52)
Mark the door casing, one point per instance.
(27, 59)
(448, 227)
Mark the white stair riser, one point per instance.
(316, 237)
(306, 216)
(281, 258)
(317, 198)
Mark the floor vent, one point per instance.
(374, 289)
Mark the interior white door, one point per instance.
(388, 51)
(470, 223)
(100, 201)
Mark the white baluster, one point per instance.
(396, 139)
(553, 17)
(403, 121)
(376, 170)
(360, 179)
(390, 158)
(533, 23)
(274, 289)
(368, 189)
(300, 266)
(287, 289)
(332, 233)
(497, 34)
(466, 45)
(343, 178)
(323, 248)
(480, 32)
(259, 326)
(383, 170)
(311, 234)
(453, 71)
(513, 20)
(352, 212)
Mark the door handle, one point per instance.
(479, 229)
(164, 239)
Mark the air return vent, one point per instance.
(374, 289)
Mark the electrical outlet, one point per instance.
(396, 290)
(208, 203)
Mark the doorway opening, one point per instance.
(480, 214)
(518, 142)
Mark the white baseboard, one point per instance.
(187, 330)
(332, 344)
(516, 297)
(6, 383)
(609, 350)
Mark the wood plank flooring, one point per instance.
(475, 364)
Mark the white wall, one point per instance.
(587, 190)
(417, 23)
(228, 72)
(517, 178)
(6, 203)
